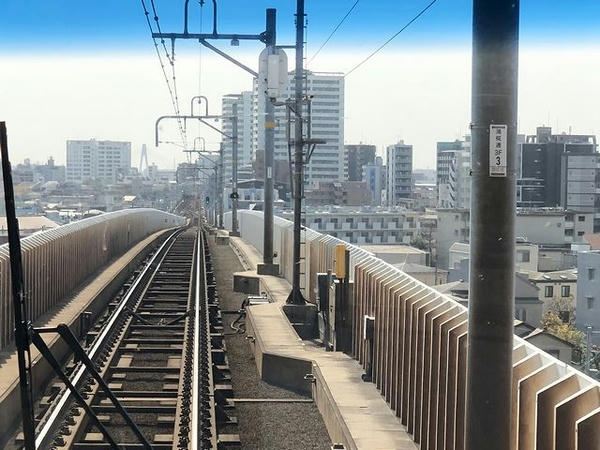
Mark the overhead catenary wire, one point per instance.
(409, 23)
(171, 86)
(334, 30)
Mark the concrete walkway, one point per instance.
(354, 412)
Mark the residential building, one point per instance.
(557, 290)
(424, 176)
(588, 293)
(550, 228)
(338, 193)
(559, 171)
(528, 306)
(454, 173)
(424, 195)
(553, 345)
(50, 171)
(244, 130)
(431, 276)
(399, 173)
(326, 90)
(374, 175)
(398, 254)
(367, 225)
(92, 160)
(356, 156)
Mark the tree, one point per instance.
(553, 324)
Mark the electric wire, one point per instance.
(172, 89)
(334, 31)
(391, 38)
(171, 59)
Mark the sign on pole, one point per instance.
(498, 148)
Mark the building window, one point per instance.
(580, 233)
(549, 291)
(590, 302)
(523, 256)
(581, 218)
(591, 273)
(565, 291)
(553, 352)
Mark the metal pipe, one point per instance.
(234, 157)
(295, 296)
(200, 118)
(227, 57)
(199, 98)
(200, 138)
(202, 36)
(220, 183)
(22, 339)
(185, 16)
(269, 151)
(214, 17)
(491, 292)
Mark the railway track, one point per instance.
(161, 354)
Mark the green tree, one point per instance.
(553, 324)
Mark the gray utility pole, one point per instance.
(234, 156)
(492, 272)
(220, 184)
(296, 297)
(268, 268)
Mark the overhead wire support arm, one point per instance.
(178, 117)
(228, 58)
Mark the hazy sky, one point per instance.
(73, 69)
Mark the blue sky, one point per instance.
(119, 25)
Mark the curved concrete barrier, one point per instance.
(56, 261)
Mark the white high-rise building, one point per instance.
(399, 172)
(105, 161)
(327, 123)
(244, 124)
(454, 173)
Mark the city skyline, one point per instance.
(73, 84)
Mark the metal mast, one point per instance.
(491, 292)
(296, 296)
(270, 42)
(234, 176)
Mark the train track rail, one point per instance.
(161, 354)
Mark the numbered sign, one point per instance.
(498, 158)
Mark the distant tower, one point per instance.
(144, 161)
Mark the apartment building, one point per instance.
(399, 173)
(244, 128)
(92, 160)
(326, 91)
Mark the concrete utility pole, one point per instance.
(491, 292)
(268, 267)
(234, 156)
(220, 183)
(296, 296)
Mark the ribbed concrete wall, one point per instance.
(57, 260)
(420, 353)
